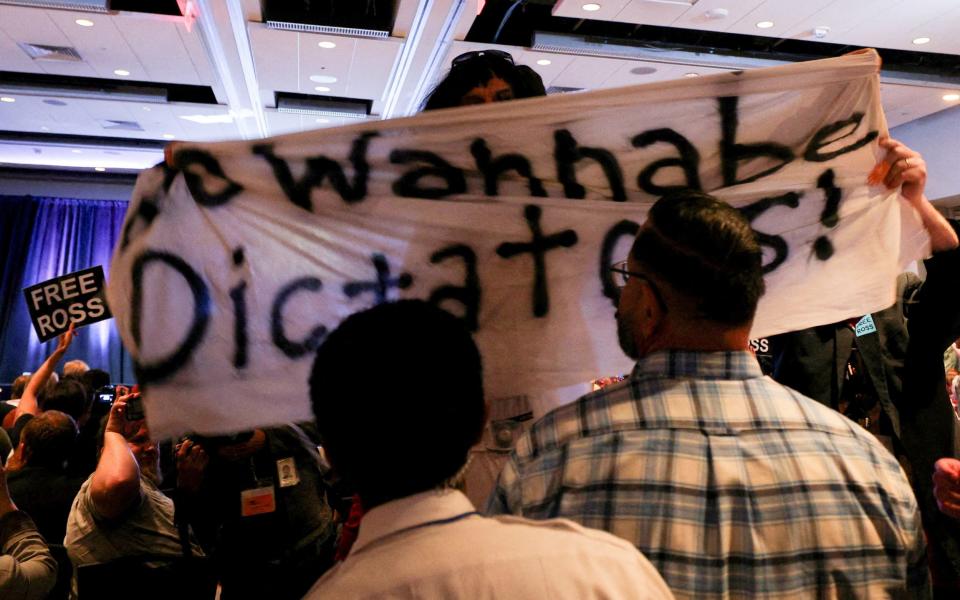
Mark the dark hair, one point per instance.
(705, 249)
(49, 439)
(477, 71)
(69, 396)
(397, 391)
(94, 379)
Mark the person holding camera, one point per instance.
(120, 511)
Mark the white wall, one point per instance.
(937, 137)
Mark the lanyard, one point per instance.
(423, 525)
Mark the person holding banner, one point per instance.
(732, 484)
(403, 446)
(895, 357)
(484, 76)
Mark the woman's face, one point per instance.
(495, 90)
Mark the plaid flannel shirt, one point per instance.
(730, 483)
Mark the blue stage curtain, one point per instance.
(43, 238)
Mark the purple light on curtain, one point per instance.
(68, 235)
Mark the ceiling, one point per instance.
(109, 86)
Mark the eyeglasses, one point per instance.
(621, 275)
(468, 56)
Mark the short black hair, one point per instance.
(397, 391)
(94, 379)
(49, 439)
(706, 250)
(477, 71)
(69, 396)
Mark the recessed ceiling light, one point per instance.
(146, 108)
(7, 99)
(592, 7)
(322, 120)
(323, 79)
(322, 88)
(101, 169)
(951, 97)
(121, 72)
(168, 136)
(643, 70)
(77, 151)
(327, 45)
(44, 128)
(84, 22)
(543, 62)
(765, 24)
(691, 74)
(921, 40)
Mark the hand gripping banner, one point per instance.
(237, 258)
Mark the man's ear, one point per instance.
(19, 458)
(650, 308)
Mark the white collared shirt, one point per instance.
(433, 545)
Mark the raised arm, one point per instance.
(28, 402)
(907, 168)
(115, 486)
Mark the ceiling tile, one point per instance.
(696, 17)
(651, 12)
(574, 9)
(784, 14)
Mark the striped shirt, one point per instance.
(731, 484)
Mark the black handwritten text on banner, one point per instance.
(237, 258)
(77, 298)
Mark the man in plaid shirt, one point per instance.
(731, 484)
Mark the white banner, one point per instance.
(237, 258)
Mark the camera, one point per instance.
(134, 410)
(105, 395)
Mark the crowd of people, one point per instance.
(696, 476)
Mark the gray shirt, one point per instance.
(147, 528)
(27, 570)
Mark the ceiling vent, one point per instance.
(323, 106)
(117, 125)
(99, 6)
(556, 89)
(329, 30)
(43, 52)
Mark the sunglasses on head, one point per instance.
(468, 56)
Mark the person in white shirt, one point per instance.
(397, 392)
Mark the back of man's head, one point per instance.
(19, 384)
(706, 250)
(47, 388)
(75, 368)
(48, 439)
(69, 396)
(94, 379)
(397, 391)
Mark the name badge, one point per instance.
(287, 472)
(865, 326)
(257, 501)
